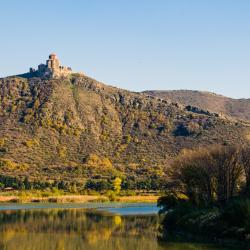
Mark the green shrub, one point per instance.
(237, 213)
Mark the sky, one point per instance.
(134, 44)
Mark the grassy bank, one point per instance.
(27, 197)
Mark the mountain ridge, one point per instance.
(235, 108)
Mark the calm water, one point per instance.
(90, 227)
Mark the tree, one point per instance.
(117, 185)
(208, 175)
(245, 161)
(26, 183)
(193, 175)
(229, 170)
(98, 185)
(73, 188)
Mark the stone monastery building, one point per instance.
(52, 69)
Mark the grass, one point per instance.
(63, 197)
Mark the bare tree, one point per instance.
(228, 171)
(245, 161)
(208, 175)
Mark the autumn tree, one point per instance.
(117, 185)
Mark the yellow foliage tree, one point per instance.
(99, 162)
(117, 185)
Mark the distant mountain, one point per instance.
(75, 129)
(236, 108)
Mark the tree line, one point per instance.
(91, 184)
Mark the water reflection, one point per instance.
(68, 229)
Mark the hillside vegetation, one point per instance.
(77, 131)
(236, 108)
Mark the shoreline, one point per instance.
(9, 199)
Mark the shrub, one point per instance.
(111, 195)
(9, 164)
(98, 185)
(2, 141)
(96, 161)
(30, 143)
(237, 213)
(62, 152)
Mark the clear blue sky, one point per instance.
(134, 44)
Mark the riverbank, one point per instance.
(219, 222)
(75, 198)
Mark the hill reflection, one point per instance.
(75, 229)
(68, 229)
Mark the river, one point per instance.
(91, 226)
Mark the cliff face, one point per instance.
(77, 128)
(235, 108)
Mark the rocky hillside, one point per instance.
(236, 108)
(76, 128)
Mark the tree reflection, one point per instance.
(75, 229)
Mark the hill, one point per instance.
(236, 108)
(76, 130)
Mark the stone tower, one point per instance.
(53, 62)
